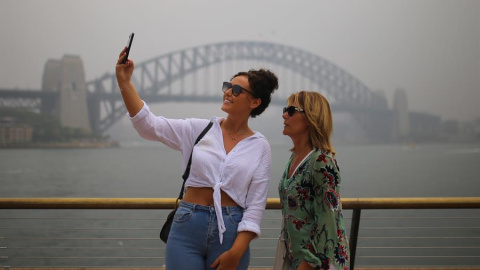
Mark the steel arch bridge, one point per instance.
(154, 78)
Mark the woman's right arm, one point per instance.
(124, 72)
(175, 133)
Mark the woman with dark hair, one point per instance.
(226, 191)
(313, 230)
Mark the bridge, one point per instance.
(195, 75)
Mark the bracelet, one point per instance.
(121, 90)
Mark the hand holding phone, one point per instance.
(129, 45)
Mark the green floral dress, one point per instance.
(314, 230)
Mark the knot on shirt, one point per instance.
(217, 202)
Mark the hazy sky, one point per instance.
(429, 48)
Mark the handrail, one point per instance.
(272, 203)
(355, 204)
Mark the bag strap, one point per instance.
(187, 170)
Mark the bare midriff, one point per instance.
(204, 196)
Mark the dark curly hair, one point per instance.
(263, 83)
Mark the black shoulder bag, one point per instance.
(168, 223)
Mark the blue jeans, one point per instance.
(193, 242)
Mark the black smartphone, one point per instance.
(130, 40)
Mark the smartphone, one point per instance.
(129, 45)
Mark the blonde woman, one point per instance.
(314, 230)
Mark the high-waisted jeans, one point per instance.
(193, 242)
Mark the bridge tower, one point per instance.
(401, 115)
(67, 77)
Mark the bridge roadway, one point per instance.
(16, 96)
(377, 122)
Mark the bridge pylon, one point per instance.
(67, 78)
(402, 119)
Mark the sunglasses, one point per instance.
(291, 110)
(236, 89)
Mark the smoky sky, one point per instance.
(430, 48)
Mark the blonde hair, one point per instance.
(319, 117)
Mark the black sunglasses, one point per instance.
(236, 89)
(291, 110)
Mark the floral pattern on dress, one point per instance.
(314, 228)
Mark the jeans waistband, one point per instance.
(197, 207)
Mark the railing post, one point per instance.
(2, 258)
(354, 235)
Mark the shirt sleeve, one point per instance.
(256, 199)
(177, 134)
(327, 244)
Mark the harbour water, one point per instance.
(150, 170)
(145, 170)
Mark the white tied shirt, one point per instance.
(243, 173)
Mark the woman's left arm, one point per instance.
(229, 259)
(329, 241)
(256, 188)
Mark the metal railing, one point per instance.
(419, 230)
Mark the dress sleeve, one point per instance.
(327, 245)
